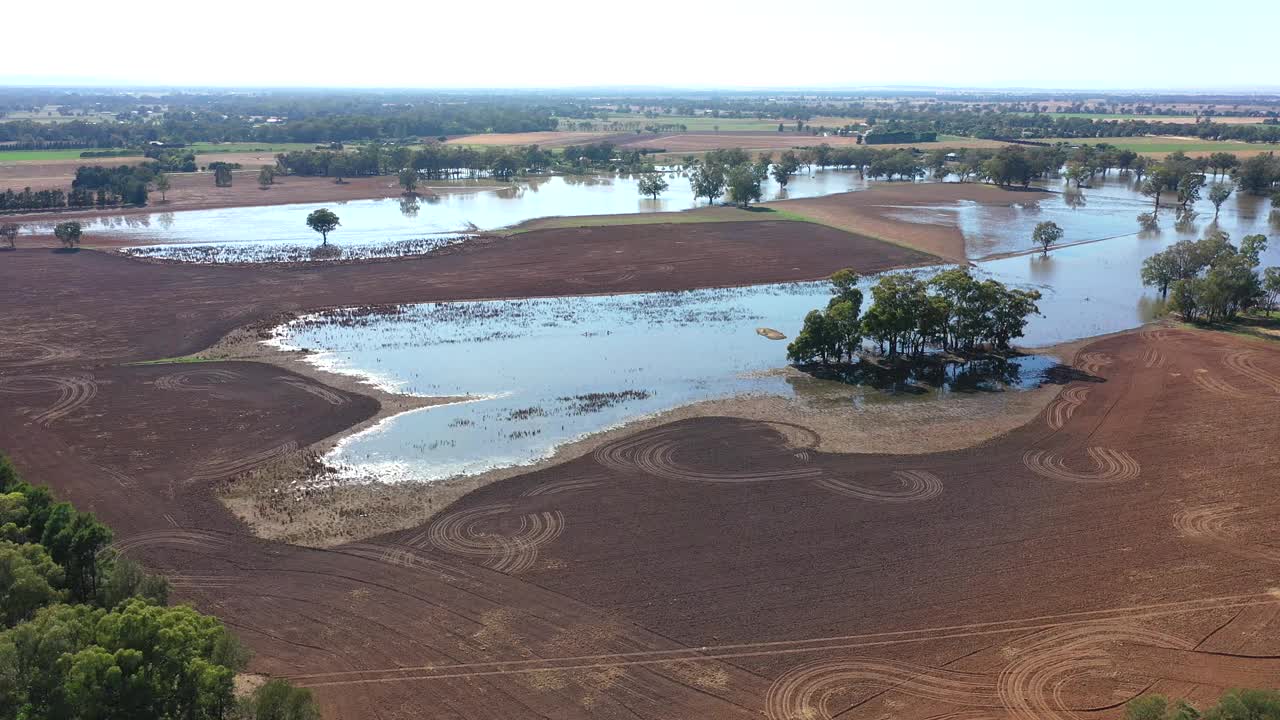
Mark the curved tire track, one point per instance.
(1061, 408)
(1111, 466)
(806, 692)
(917, 486)
(653, 453)
(511, 552)
(73, 392)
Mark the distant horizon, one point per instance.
(824, 45)
(82, 84)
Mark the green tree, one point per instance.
(1252, 247)
(163, 184)
(785, 168)
(68, 233)
(1046, 234)
(9, 234)
(221, 175)
(743, 185)
(652, 184)
(1218, 194)
(1271, 288)
(817, 339)
(323, 221)
(29, 580)
(409, 180)
(278, 700)
(708, 181)
(266, 177)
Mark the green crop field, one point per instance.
(40, 155)
(706, 123)
(202, 148)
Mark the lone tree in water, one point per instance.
(1046, 234)
(1218, 194)
(323, 221)
(652, 185)
(68, 233)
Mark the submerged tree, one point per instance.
(652, 184)
(1218, 194)
(323, 221)
(708, 181)
(1046, 234)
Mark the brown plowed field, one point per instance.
(163, 310)
(1124, 541)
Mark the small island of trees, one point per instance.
(951, 312)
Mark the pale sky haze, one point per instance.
(1086, 44)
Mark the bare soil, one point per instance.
(163, 310)
(1122, 541)
(868, 212)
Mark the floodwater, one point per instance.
(279, 232)
(1108, 209)
(547, 371)
(544, 372)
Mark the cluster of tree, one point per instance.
(1211, 279)
(733, 174)
(172, 159)
(1234, 705)
(951, 311)
(898, 133)
(93, 186)
(87, 634)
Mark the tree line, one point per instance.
(1002, 125)
(951, 311)
(87, 634)
(438, 161)
(93, 186)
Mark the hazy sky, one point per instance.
(738, 43)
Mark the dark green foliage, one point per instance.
(653, 185)
(1209, 279)
(323, 221)
(120, 653)
(1234, 705)
(278, 700)
(952, 311)
(68, 233)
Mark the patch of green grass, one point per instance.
(202, 148)
(706, 123)
(41, 155)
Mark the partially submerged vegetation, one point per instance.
(950, 312)
(1211, 280)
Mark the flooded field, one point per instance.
(379, 227)
(544, 372)
(1106, 210)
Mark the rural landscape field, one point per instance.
(544, 384)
